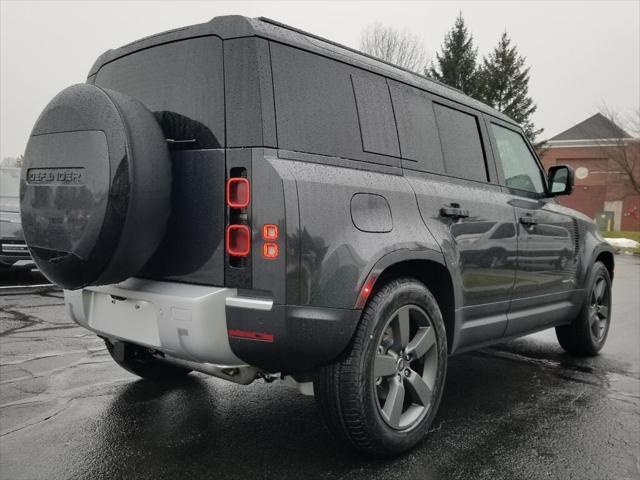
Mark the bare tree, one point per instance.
(622, 148)
(400, 47)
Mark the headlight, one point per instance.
(10, 217)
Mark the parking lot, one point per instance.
(522, 409)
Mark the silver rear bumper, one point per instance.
(185, 321)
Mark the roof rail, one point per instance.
(357, 52)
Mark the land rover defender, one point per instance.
(248, 200)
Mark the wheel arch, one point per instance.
(606, 258)
(426, 266)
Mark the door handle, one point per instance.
(454, 211)
(528, 221)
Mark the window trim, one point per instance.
(498, 161)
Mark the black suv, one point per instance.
(248, 200)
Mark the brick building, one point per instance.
(595, 148)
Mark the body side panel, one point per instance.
(335, 256)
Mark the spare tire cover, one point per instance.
(95, 187)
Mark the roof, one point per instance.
(235, 26)
(596, 127)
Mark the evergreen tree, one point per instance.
(503, 83)
(456, 62)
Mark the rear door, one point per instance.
(182, 83)
(455, 181)
(546, 258)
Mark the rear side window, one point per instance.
(181, 83)
(520, 167)
(375, 114)
(461, 144)
(417, 129)
(316, 109)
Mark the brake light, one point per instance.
(238, 240)
(238, 192)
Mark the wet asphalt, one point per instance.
(519, 410)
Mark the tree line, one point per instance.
(500, 79)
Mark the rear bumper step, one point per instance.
(187, 322)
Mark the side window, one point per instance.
(316, 110)
(521, 171)
(375, 115)
(417, 130)
(504, 230)
(461, 144)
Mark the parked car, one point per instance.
(13, 249)
(248, 200)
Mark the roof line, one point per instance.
(356, 51)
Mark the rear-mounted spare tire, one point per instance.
(95, 188)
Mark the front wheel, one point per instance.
(588, 332)
(383, 395)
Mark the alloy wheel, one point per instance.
(405, 367)
(599, 309)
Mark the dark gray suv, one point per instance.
(248, 200)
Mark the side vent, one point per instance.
(576, 238)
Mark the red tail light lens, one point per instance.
(270, 232)
(238, 192)
(270, 250)
(238, 240)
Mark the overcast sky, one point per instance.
(582, 54)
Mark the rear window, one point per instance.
(461, 144)
(181, 83)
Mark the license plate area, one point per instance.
(127, 319)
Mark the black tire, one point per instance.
(140, 362)
(587, 334)
(347, 391)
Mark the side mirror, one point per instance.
(561, 180)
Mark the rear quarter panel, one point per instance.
(335, 256)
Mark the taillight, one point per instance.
(238, 232)
(238, 192)
(270, 250)
(270, 232)
(238, 240)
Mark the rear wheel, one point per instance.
(587, 334)
(139, 361)
(383, 395)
